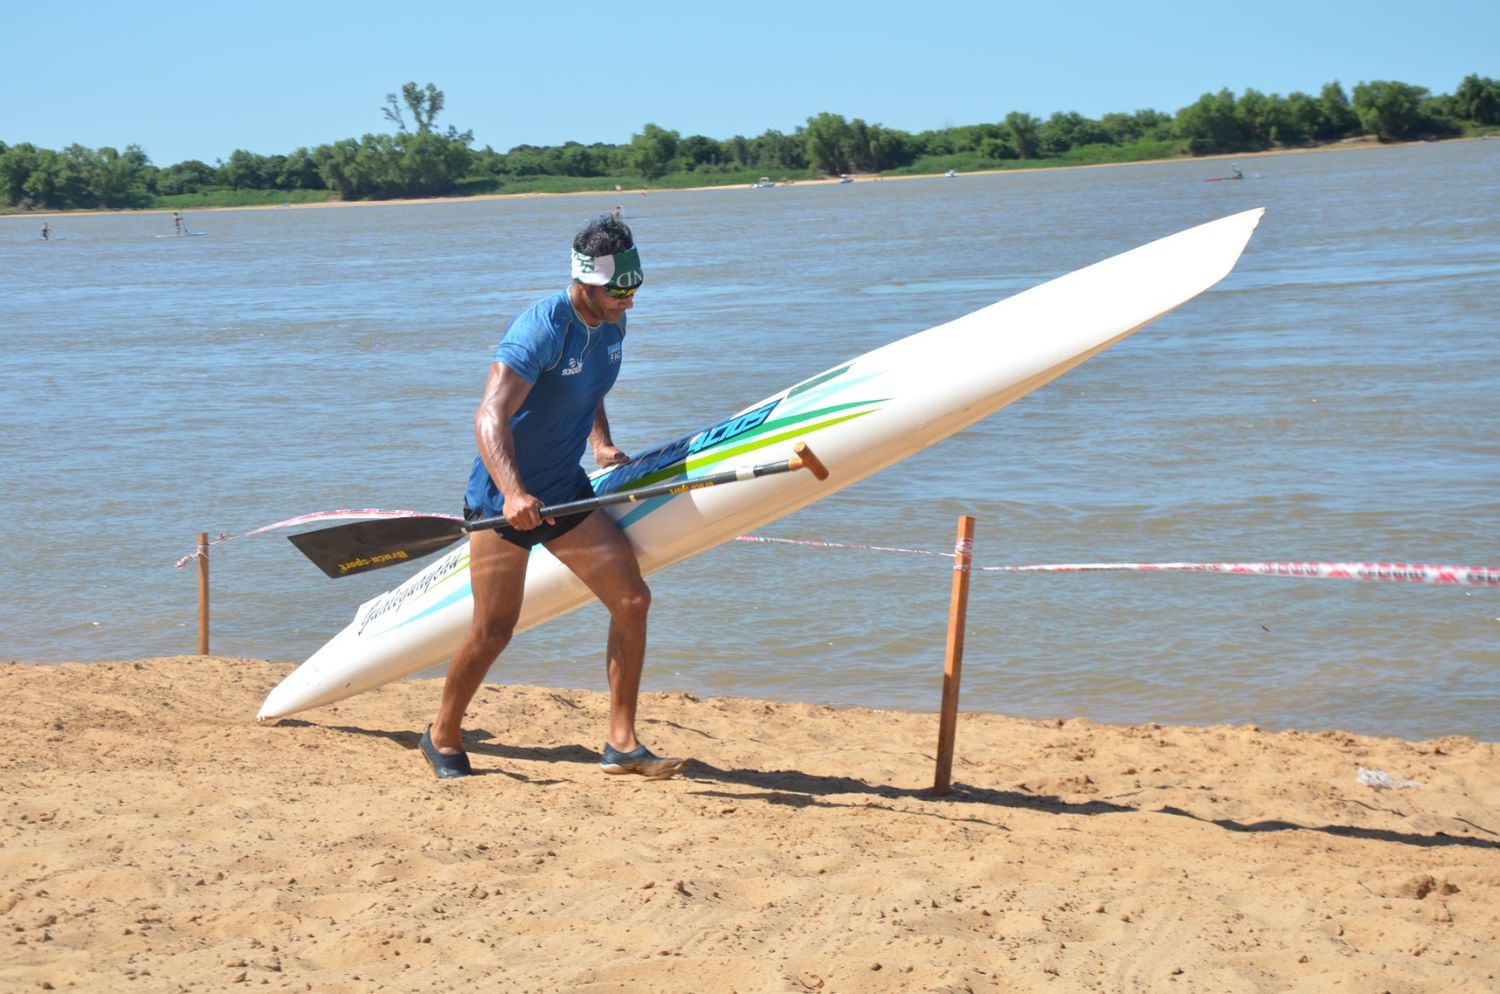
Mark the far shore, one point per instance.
(1353, 144)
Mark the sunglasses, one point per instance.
(622, 293)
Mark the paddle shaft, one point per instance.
(803, 458)
(359, 546)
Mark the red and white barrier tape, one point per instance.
(302, 519)
(1463, 576)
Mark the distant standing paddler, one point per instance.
(177, 221)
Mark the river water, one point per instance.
(1334, 399)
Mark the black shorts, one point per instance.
(542, 533)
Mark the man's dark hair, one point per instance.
(605, 235)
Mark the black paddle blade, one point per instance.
(361, 546)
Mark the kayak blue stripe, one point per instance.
(457, 595)
(824, 393)
(640, 511)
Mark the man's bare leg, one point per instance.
(497, 572)
(598, 552)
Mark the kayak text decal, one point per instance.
(413, 588)
(678, 451)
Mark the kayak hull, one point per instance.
(859, 418)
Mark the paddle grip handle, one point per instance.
(805, 459)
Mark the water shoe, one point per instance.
(640, 761)
(446, 765)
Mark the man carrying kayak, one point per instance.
(543, 403)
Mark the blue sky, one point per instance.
(197, 81)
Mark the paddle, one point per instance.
(361, 546)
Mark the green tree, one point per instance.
(1065, 130)
(1210, 124)
(1264, 119)
(487, 162)
(1024, 134)
(653, 150)
(336, 166)
(118, 179)
(880, 148)
(297, 171)
(1338, 117)
(1302, 117)
(942, 142)
(829, 140)
(424, 104)
(377, 171)
(738, 151)
(61, 179)
(529, 160)
(17, 163)
(578, 160)
(430, 165)
(1143, 125)
(970, 136)
(190, 176)
(1388, 109)
(777, 152)
(997, 149)
(1477, 99)
(244, 171)
(699, 153)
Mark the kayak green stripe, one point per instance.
(761, 441)
(647, 506)
(755, 440)
(777, 423)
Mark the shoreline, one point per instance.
(279, 669)
(153, 833)
(1348, 145)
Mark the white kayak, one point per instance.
(859, 418)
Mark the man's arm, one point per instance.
(504, 392)
(605, 452)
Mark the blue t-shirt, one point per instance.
(570, 369)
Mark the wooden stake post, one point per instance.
(958, 612)
(203, 593)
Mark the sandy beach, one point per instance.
(157, 839)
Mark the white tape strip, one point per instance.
(1463, 576)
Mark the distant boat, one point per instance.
(951, 172)
(761, 184)
(846, 179)
(1237, 173)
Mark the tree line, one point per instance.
(420, 161)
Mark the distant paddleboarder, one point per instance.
(46, 232)
(177, 221)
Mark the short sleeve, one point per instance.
(531, 344)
